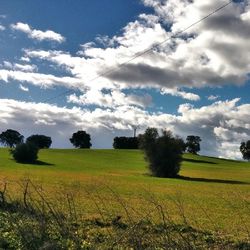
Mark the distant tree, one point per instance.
(81, 139)
(25, 153)
(126, 143)
(41, 141)
(245, 150)
(193, 144)
(11, 138)
(163, 153)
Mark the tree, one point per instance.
(125, 142)
(41, 141)
(25, 153)
(81, 139)
(245, 150)
(193, 144)
(11, 138)
(164, 153)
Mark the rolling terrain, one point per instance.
(211, 194)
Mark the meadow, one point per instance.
(211, 194)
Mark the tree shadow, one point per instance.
(224, 159)
(43, 163)
(212, 180)
(198, 161)
(38, 163)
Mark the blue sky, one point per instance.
(197, 83)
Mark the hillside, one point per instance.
(212, 193)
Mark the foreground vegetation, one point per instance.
(37, 223)
(100, 195)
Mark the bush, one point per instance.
(164, 153)
(25, 153)
(125, 143)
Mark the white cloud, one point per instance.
(220, 136)
(21, 67)
(213, 97)
(25, 67)
(112, 100)
(38, 79)
(2, 27)
(38, 34)
(7, 64)
(23, 88)
(214, 53)
(183, 94)
(24, 59)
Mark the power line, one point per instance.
(139, 54)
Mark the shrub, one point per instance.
(164, 153)
(25, 153)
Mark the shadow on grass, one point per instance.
(198, 161)
(212, 180)
(224, 159)
(38, 163)
(43, 163)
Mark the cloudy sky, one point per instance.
(71, 65)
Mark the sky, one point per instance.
(106, 66)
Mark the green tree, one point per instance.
(41, 141)
(81, 139)
(11, 138)
(245, 150)
(193, 144)
(163, 153)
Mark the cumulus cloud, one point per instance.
(221, 125)
(111, 100)
(38, 79)
(38, 35)
(2, 27)
(212, 53)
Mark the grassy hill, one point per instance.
(212, 194)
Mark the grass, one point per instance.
(212, 194)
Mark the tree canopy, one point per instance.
(41, 141)
(245, 150)
(11, 138)
(193, 144)
(81, 139)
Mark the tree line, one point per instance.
(163, 152)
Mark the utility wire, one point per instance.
(139, 54)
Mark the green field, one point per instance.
(213, 194)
